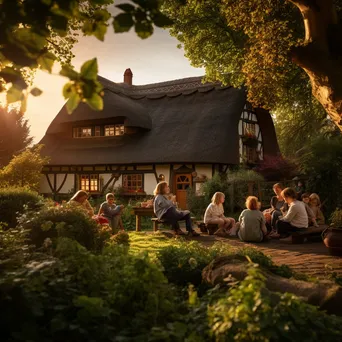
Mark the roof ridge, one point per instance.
(165, 87)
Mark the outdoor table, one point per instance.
(140, 211)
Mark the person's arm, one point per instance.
(241, 216)
(111, 212)
(162, 202)
(290, 214)
(274, 201)
(263, 225)
(100, 211)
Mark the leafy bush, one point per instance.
(183, 262)
(234, 185)
(85, 297)
(13, 203)
(251, 313)
(324, 170)
(53, 222)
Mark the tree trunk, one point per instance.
(321, 54)
(325, 294)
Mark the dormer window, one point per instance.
(113, 130)
(98, 131)
(82, 132)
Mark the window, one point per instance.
(133, 183)
(250, 154)
(90, 183)
(82, 132)
(112, 130)
(97, 131)
(249, 128)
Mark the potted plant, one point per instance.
(332, 236)
(249, 139)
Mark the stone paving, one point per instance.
(312, 258)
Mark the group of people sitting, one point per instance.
(288, 213)
(109, 213)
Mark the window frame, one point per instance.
(134, 186)
(116, 129)
(77, 132)
(89, 177)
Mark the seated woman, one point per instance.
(112, 212)
(166, 211)
(214, 214)
(80, 199)
(278, 208)
(315, 206)
(295, 219)
(252, 224)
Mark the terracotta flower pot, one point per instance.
(332, 238)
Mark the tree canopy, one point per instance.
(256, 44)
(281, 50)
(14, 134)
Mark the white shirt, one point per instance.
(214, 211)
(297, 215)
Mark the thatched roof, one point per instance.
(182, 121)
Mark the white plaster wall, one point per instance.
(204, 170)
(165, 170)
(44, 185)
(149, 183)
(68, 185)
(106, 177)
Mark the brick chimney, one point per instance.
(128, 77)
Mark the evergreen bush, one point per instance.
(61, 221)
(15, 201)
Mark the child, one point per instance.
(311, 215)
(252, 225)
(315, 206)
(215, 215)
(112, 212)
(166, 210)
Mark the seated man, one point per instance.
(295, 219)
(112, 212)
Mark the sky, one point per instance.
(155, 59)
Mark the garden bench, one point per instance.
(299, 237)
(207, 228)
(156, 222)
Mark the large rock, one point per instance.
(325, 294)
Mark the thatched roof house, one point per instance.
(152, 132)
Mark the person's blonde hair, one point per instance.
(109, 195)
(252, 203)
(78, 195)
(160, 188)
(216, 197)
(315, 196)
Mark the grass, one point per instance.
(148, 242)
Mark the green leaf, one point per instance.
(68, 89)
(101, 15)
(69, 72)
(95, 102)
(23, 104)
(161, 20)
(36, 91)
(126, 8)
(14, 94)
(13, 76)
(123, 22)
(46, 61)
(144, 29)
(73, 102)
(100, 31)
(89, 70)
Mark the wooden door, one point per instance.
(182, 183)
